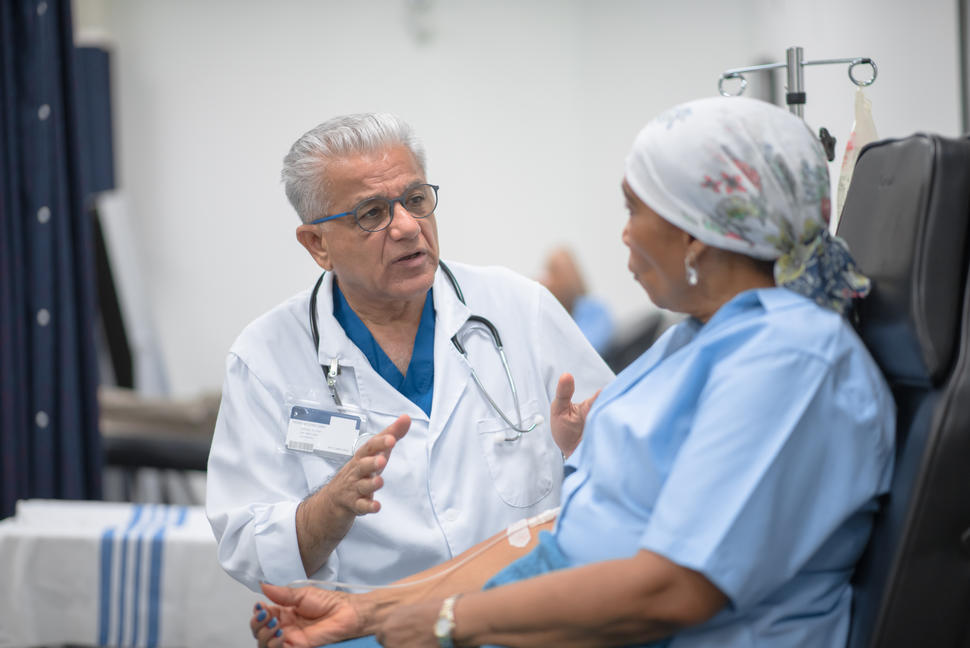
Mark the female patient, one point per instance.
(726, 481)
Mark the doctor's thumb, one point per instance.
(399, 427)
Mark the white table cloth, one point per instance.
(110, 574)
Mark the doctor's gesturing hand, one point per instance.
(568, 418)
(325, 517)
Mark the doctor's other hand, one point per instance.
(568, 418)
(325, 517)
(309, 616)
(354, 485)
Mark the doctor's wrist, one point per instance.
(320, 526)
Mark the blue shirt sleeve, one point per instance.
(781, 455)
(594, 320)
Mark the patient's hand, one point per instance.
(312, 617)
(568, 418)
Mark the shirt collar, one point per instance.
(450, 316)
(770, 299)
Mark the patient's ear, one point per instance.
(314, 240)
(695, 248)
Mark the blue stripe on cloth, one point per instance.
(155, 586)
(123, 576)
(136, 603)
(104, 598)
(106, 558)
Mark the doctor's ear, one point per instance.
(315, 241)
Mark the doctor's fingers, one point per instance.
(397, 429)
(384, 442)
(564, 394)
(367, 466)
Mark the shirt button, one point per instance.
(44, 112)
(451, 515)
(41, 419)
(44, 214)
(41, 8)
(43, 317)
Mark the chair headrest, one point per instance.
(905, 220)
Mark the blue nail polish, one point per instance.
(259, 607)
(261, 616)
(272, 623)
(279, 633)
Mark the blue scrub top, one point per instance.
(417, 385)
(593, 319)
(751, 449)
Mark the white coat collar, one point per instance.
(450, 316)
(450, 313)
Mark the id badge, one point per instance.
(332, 433)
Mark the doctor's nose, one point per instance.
(403, 224)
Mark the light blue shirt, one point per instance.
(751, 449)
(594, 320)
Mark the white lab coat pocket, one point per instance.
(522, 469)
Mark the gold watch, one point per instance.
(445, 623)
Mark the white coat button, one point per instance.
(451, 515)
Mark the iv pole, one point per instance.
(795, 95)
(795, 62)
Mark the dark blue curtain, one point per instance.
(49, 436)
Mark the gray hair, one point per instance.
(305, 166)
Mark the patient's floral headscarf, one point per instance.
(744, 175)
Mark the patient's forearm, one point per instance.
(469, 575)
(611, 603)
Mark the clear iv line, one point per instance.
(536, 520)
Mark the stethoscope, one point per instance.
(331, 372)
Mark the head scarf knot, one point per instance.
(746, 176)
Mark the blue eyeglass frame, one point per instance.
(391, 201)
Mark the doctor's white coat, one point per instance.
(450, 482)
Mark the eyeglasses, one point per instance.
(374, 214)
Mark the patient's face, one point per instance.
(657, 251)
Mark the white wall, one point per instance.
(527, 108)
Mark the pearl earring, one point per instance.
(692, 277)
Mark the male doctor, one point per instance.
(380, 379)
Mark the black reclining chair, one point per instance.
(906, 221)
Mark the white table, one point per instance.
(110, 574)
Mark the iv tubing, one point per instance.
(533, 521)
